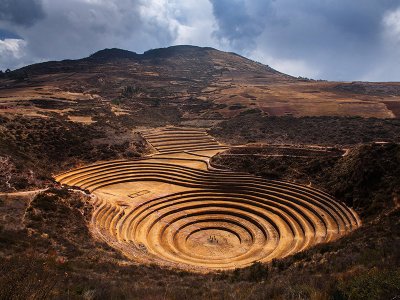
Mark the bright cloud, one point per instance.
(12, 51)
(391, 21)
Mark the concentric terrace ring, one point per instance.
(218, 220)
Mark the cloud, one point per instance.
(187, 22)
(11, 52)
(238, 22)
(386, 65)
(5, 34)
(336, 39)
(295, 67)
(77, 28)
(21, 12)
(195, 23)
(391, 22)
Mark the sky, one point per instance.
(342, 40)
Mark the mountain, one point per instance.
(196, 78)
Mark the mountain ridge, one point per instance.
(186, 76)
(115, 54)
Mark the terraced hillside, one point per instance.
(174, 209)
(170, 140)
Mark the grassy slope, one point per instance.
(34, 148)
(251, 126)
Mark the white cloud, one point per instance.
(12, 53)
(158, 13)
(391, 22)
(195, 23)
(12, 47)
(188, 22)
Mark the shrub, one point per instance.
(372, 285)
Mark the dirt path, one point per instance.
(24, 193)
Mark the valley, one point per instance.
(190, 172)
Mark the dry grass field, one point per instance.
(242, 86)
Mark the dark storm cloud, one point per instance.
(237, 24)
(5, 34)
(21, 12)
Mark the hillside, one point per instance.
(197, 85)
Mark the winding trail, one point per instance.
(24, 193)
(174, 209)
